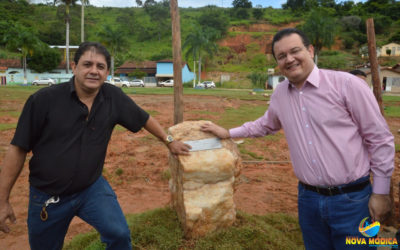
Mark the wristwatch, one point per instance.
(169, 139)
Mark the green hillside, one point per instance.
(147, 30)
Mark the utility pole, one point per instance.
(177, 57)
(377, 88)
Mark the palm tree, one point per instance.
(115, 40)
(67, 19)
(83, 2)
(22, 39)
(198, 42)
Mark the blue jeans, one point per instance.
(97, 205)
(326, 221)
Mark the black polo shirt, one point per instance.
(69, 144)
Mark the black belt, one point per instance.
(330, 191)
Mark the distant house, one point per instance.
(389, 78)
(364, 51)
(156, 71)
(11, 72)
(391, 49)
(274, 78)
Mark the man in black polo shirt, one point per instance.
(67, 127)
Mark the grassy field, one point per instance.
(160, 229)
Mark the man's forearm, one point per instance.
(10, 170)
(155, 128)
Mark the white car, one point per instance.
(206, 84)
(118, 82)
(44, 81)
(136, 83)
(167, 83)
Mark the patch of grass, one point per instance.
(11, 113)
(119, 128)
(7, 126)
(86, 241)
(153, 112)
(244, 151)
(234, 117)
(390, 98)
(166, 175)
(397, 147)
(203, 112)
(156, 229)
(119, 171)
(13, 92)
(392, 111)
(272, 231)
(160, 229)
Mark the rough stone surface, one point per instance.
(203, 183)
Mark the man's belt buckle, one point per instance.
(330, 190)
(321, 191)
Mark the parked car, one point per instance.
(44, 81)
(207, 84)
(119, 83)
(167, 83)
(136, 83)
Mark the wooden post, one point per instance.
(374, 62)
(377, 92)
(176, 48)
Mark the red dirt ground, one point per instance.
(142, 159)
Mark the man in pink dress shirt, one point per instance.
(336, 136)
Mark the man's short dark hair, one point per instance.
(287, 32)
(358, 72)
(99, 48)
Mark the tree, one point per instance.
(216, 19)
(258, 79)
(83, 3)
(67, 19)
(198, 42)
(52, 59)
(395, 38)
(159, 13)
(320, 29)
(294, 4)
(242, 4)
(258, 13)
(23, 39)
(115, 40)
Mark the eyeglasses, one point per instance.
(293, 52)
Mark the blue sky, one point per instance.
(189, 3)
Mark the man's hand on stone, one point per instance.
(379, 206)
(216, 130)
(179, 148)
(6, 212)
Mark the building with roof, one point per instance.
(12, 72)
(156, 71)
(388, 76)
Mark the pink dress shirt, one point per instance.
(334, 129)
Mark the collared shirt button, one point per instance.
(301, 92)
(314, 161)
(303, 108)
(307, 126)
(310, 142)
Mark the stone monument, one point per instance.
(202, 184)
